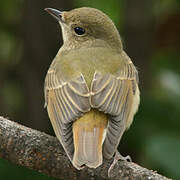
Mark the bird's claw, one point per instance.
(127, 158)
(118, 157)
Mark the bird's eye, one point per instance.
(79, 31)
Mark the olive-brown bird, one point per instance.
(91, 88)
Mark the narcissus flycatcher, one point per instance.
(91, 88)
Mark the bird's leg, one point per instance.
(118, 157)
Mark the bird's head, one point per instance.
(87, 26)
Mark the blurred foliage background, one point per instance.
(150, 31)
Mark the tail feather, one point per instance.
(88, 134)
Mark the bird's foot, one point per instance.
(118, 157)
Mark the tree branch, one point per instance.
(43, 153)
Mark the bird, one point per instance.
(91, 87)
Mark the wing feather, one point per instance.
(65, 101)
(118, 96)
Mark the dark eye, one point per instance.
(79, 30)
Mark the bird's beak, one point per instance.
(55, 13)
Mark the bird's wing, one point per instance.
(118, 96)
(65, 101)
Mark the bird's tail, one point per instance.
(88, 134)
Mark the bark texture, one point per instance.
(43, 153)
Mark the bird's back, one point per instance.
(89, 130)
(87, 61)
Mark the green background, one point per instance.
(150, 31)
